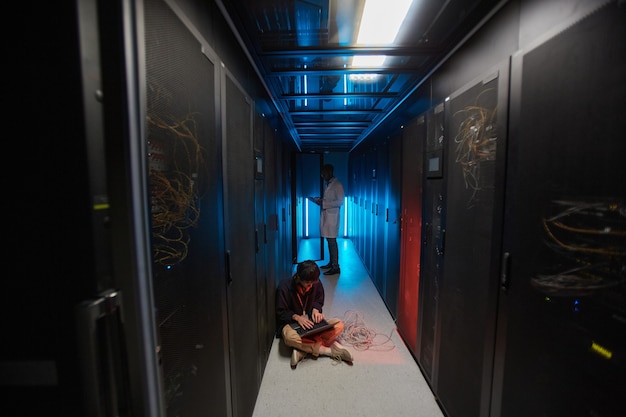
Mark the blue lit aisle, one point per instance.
(384, 381)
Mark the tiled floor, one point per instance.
(384, 381)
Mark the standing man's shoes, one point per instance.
(296, 357)
(327, 266)
(332, 271)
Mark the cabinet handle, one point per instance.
(229, 275)
(504, 272)
(102, 350)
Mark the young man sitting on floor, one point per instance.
(300, 300)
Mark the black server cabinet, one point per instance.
(260, 237)
(372, 194)
(413, 136)
(242, 300)
(393, 219)
(184, 164)
(475, 127)
(433, 231)
(49, 188)
(563, 330)
(379, 176)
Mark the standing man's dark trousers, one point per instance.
(333, 251)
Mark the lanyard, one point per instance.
(301, 303)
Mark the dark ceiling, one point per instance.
(303, 50)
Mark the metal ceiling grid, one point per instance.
(304, 50)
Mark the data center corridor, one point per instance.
(384, 379)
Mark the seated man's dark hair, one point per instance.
(308, 271)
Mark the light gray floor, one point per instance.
(384, 381)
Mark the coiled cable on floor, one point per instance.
(358, 335)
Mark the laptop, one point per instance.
(317, 328)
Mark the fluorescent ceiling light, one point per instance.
(380, 23)
(363, 77)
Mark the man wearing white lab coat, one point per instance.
(331, 204)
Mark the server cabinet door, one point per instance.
(239, 221)
(475, 126)
(563, 336)
(432, 242)
(393, 224)
(185, 174)
(408, 300)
